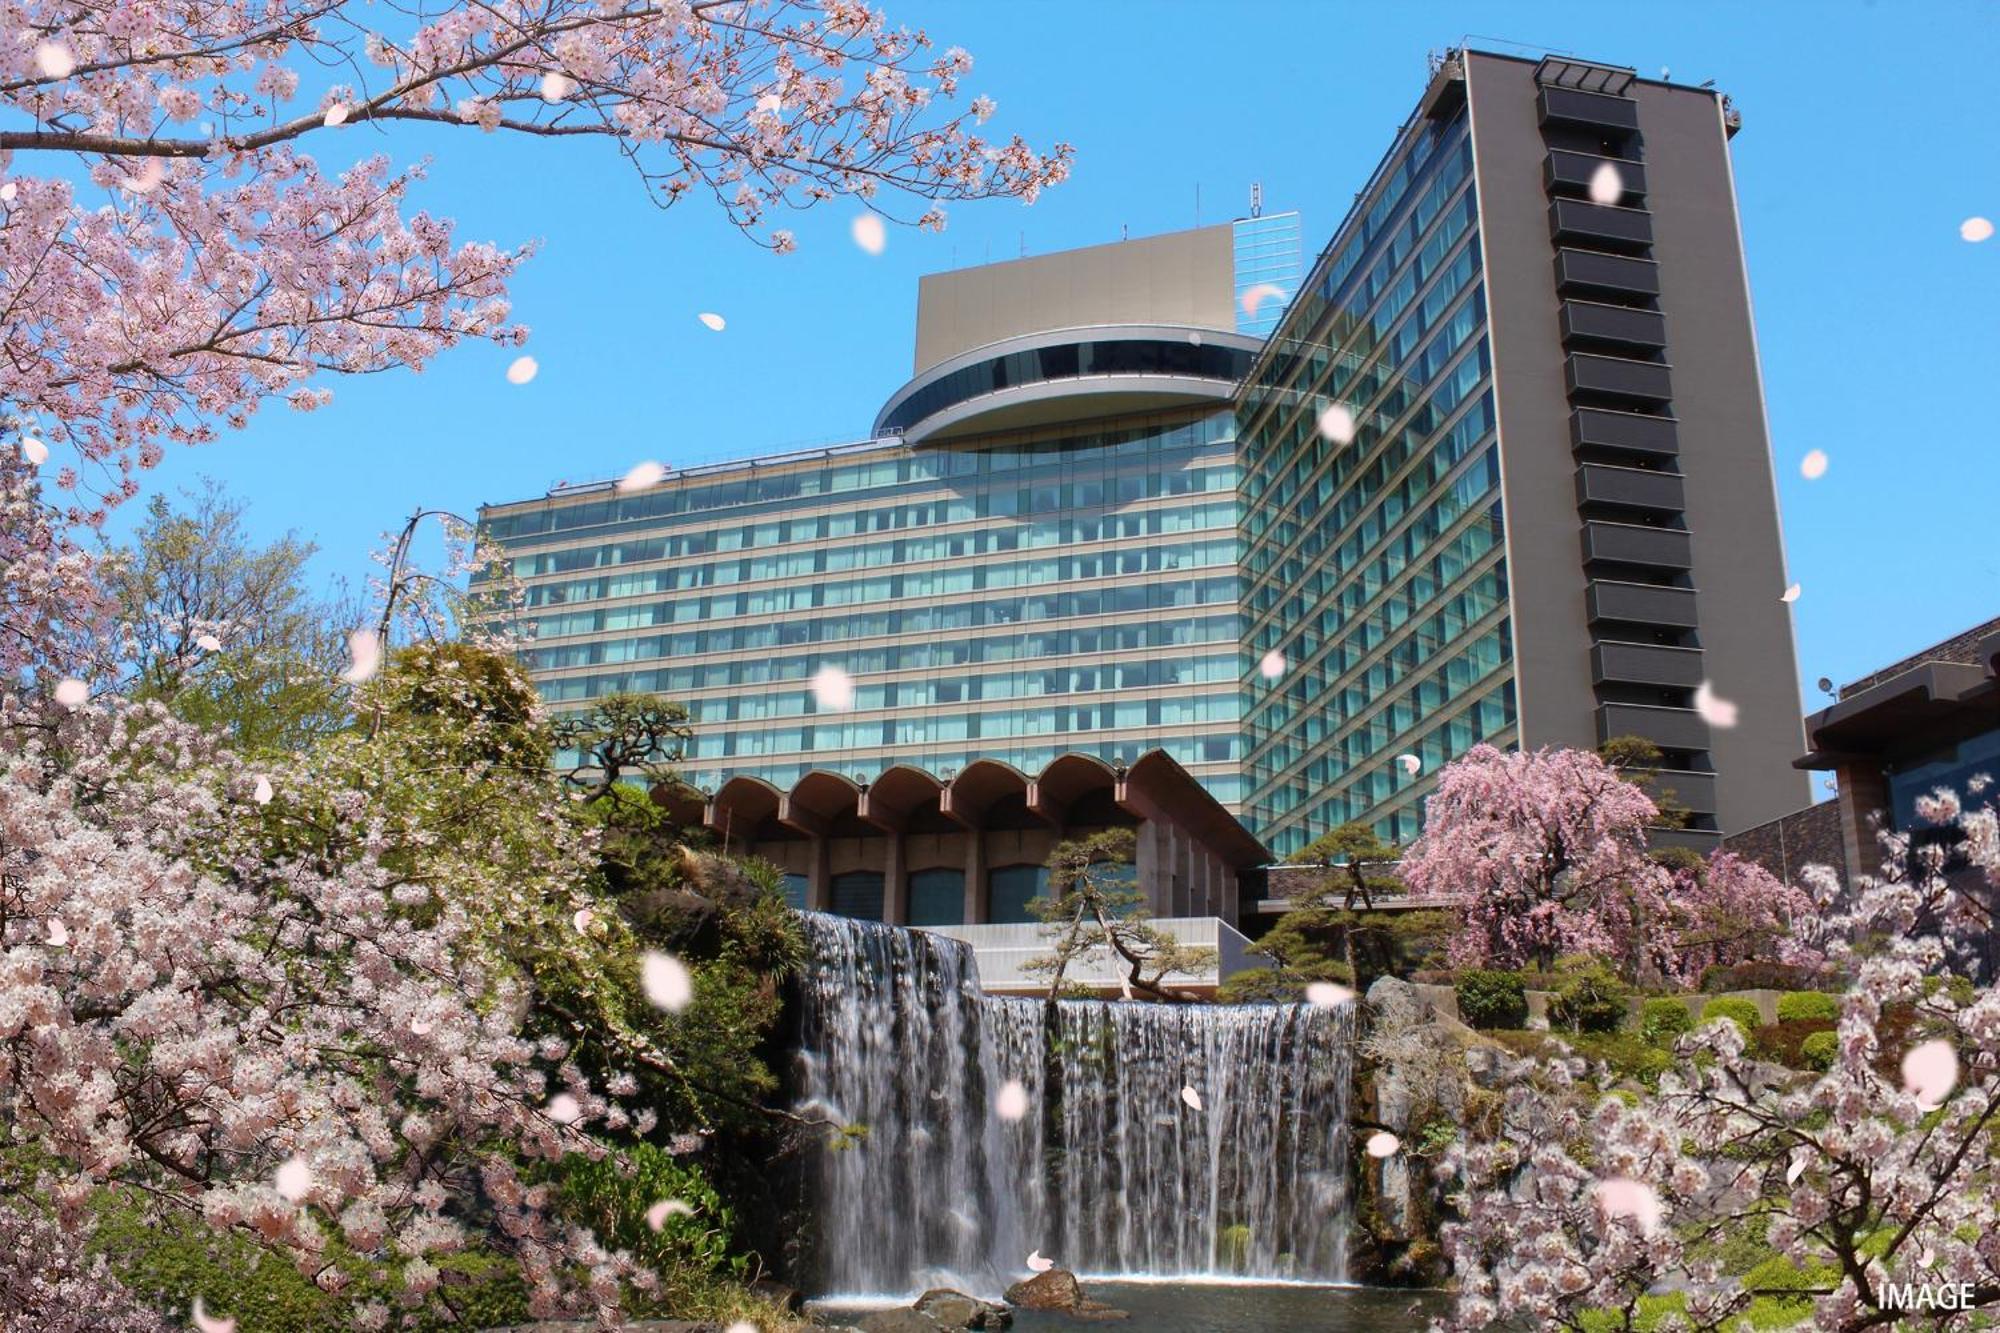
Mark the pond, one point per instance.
(1224, 1307)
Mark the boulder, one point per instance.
(786, 1298)
(906, 1320)
(1393, 1003)
(1058, 1289)
(955, 1309)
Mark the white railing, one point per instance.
(1002, 952)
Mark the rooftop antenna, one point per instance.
(1124, 231)
(1256, 199)
(1024, 245)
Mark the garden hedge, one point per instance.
(1664, 1018)
(1488, 998)
(1737, 1010)
(1808, 1004)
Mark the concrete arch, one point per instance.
(968, 797)
(817, 800)
(742, 808)
(890, 800)
(1056, 788)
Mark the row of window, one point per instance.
(1115, 600)
(1062, 531)
(936, 896)
(942, 582)
(1040, 365)
(960, 689)
(835, 735)
(895, 467)
(871, 555)
(678, 681)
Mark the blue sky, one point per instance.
(1868, 137)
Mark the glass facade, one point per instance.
(1374, 568)
(1267, 253)
(1067, 590)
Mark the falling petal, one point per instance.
(294, 1178)
(7, 192)
(1411, 764)
(1273, 665)
(1194, 338)
(1012, 1103)
(1813, 466)
(870, 234)
(1257, 295)
(645, 474)
(770, 103)
(657, 1215)
(1336, 423)
(521, 369)
(1795, 1170)
(742, 1326)
(555, 86)
(833, 688)
(364, 650)
(713, 320)
(1037, 1264)
(1931, 1071)
(563, 1109)
(1383, 1144)
(262, 794)
(1328, 995)
(421, 1026)
(209, 1323)
(1975, 230)
(336, 116)
(1619, 1197)
(1791, 594)
(584, 916)
(1607, 184)
(58, 934)
(34, 451)
(1714, 710)
(208, 643)
(71, 692)
(147, 178)
(54, 60)
(1192, 1098)
(666, 982)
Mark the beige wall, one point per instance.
(1183, 277)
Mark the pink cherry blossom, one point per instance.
(1619, 1197)
(1337, 423)
(1272, 665)
(658, 1213)
(666, 982)
(1607, 184)
(1791, 593)
(522, 369)
(364, 652)
(715, 322)
(1383, 1144)
(294, 1179)
(1930, 1070)
(1975, 229)
(71, 692)
(1037, 1264)
(1192, 1098)
(870, 234)
(642, 476)
(833, 689)
(1255, 296)
(1813, 466)
(208, 1323)
(1328, 995)
(1714, 710)
(1012, 1101)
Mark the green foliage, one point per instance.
(623, 736)
(170, 1261)
(1354, 857)
(1589, 997)
(1664, 1018)
(1624, 1053)
(1092, 906)
(1490, 998)
(1649, 1313)
(1737, 1010)
(1283, 985)
(471, 705)
(1783, 1042)
(1815, 1005)
(611, 1198)
(1819, 1049)
(1770, 1283)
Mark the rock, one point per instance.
(1058, 1289)
(1393, 1003)
(786, 1298)
(955, 1309)
(898, 1321)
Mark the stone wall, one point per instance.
(1812, 836)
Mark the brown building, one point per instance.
(1929, 721)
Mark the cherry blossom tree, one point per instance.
(171, 256)
(1871, 1183)
(1548, 849)
(1725, 910)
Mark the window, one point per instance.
(1010, 889)
(858, 893)
(795, 891)
(937, 898)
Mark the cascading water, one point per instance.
(1110, 1172)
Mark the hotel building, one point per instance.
(1107, 558)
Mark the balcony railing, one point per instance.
(1637, 544)
(1574, 107)
(1640, 604)
(1629, 487)
(1668, 728)
(1618, 275)
(1618, 377)
(1564, 170)
(1645, 664)
(1601, 226)
(1589, 322)
(1605, 428)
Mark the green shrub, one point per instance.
(1808, 1004)
(1818, 1050)
(1664, 1018)
(612, 1202)
(1625, 1054)
(1737, 1010)
(1589, 997)
(1784, 1042)
(1492, 999)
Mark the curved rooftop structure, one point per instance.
(1062, 375)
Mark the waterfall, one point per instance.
(897, 1039)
